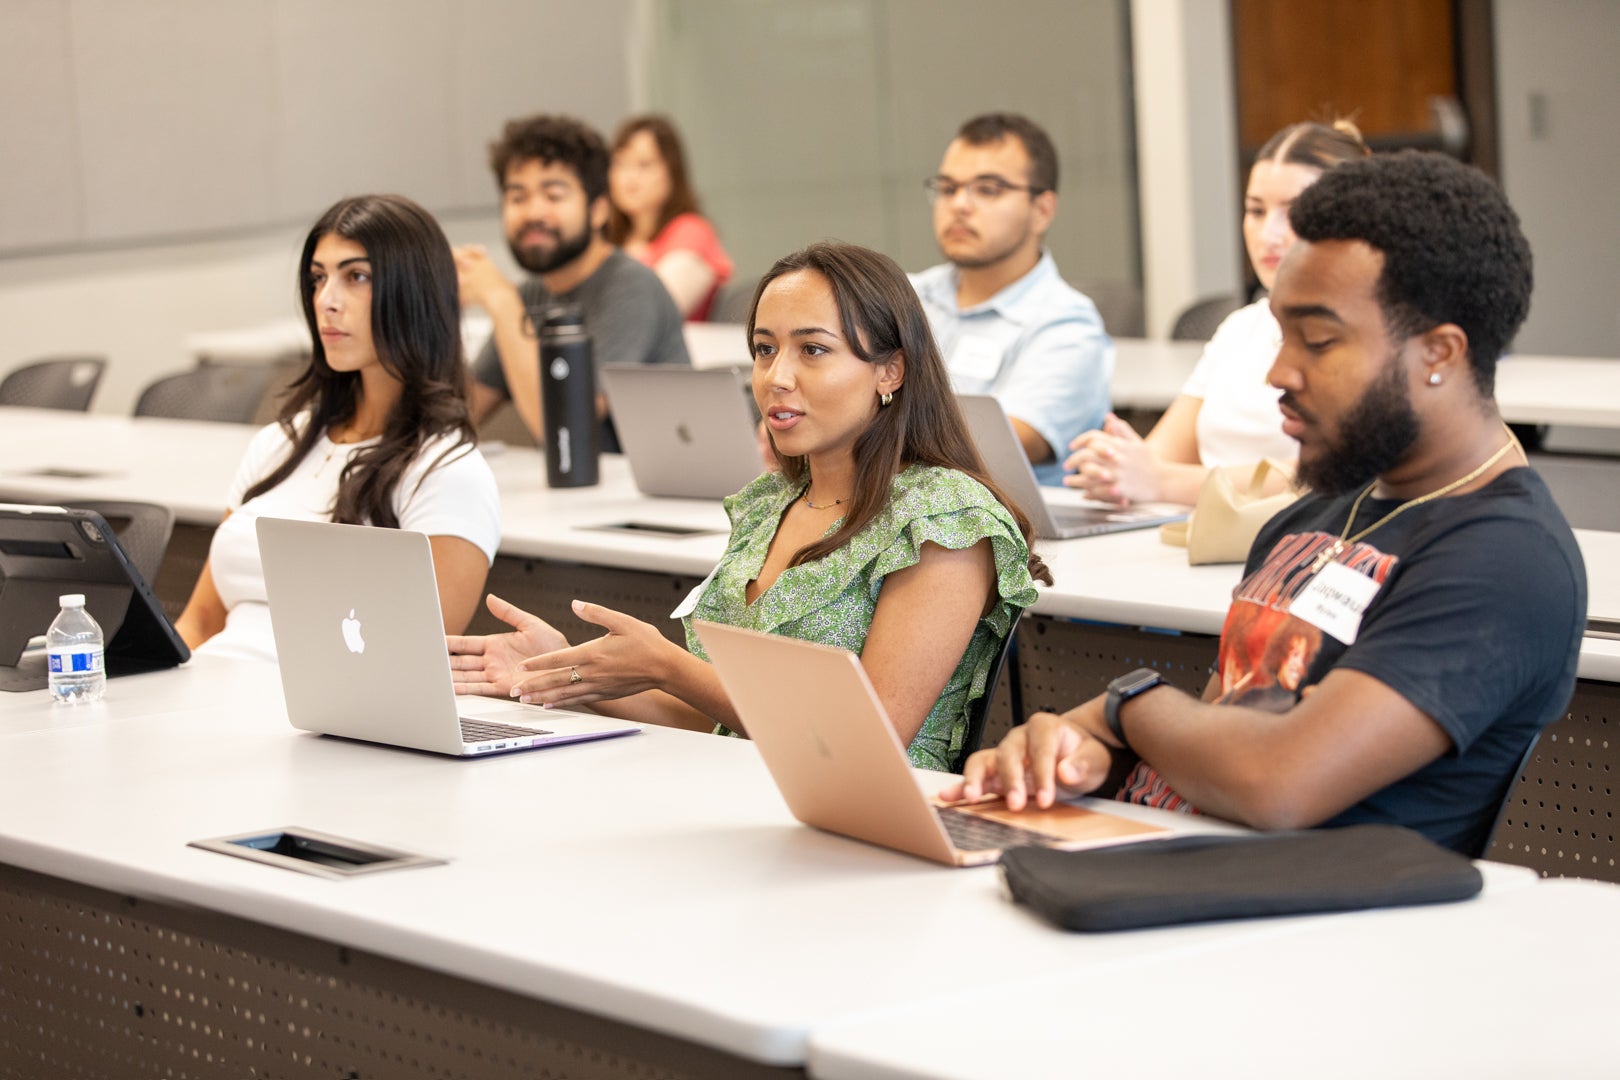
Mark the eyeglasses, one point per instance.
(981, 189)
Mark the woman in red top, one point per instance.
(655, 217)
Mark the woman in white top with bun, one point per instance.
(1226, 413)
(375, 430)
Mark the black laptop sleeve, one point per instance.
(1201, 878)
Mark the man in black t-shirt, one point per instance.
(1404, 631)
(552, 173)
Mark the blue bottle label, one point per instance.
(74, 660)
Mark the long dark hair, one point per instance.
(416, 327)
(681, 198)
(879, 315)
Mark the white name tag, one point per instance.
(974, 359)
(689, 605)
(1335, 600)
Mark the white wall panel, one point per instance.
(514, 59)
(39, 177)
(174, 100)
(362, 102)
(1558, 84)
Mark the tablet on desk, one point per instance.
(46, 551)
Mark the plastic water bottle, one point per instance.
(75, 653)
(568, 398)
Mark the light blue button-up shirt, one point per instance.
(1038, 346)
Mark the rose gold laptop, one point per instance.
(827, 742)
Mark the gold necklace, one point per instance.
(1345, 539)
(823, 506)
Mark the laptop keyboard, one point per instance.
(971, 832)
(477, 731)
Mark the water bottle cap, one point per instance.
(560, 313)
(72, 599)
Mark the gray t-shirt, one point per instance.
(628, 313)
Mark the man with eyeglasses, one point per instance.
(1006, 321)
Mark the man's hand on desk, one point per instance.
(491, 664)
(482, 283)
(1048, 756)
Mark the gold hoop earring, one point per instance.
(884, 399)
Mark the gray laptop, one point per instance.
(355, 612)
(689, 433)
(1004, 458)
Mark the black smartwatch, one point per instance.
(1122, 690)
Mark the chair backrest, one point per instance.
(64, 382)
(981, 708)
(1120, 305)
(1559, 812)
(1199, 320)
(142, 529)
(1510, 796)
(227, 392)
(733, 299)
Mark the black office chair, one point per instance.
(224, 392)
(65, 382)
(981, 708)
(734, 298)
(143, 530)
(1199, 320)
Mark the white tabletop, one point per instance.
(1579, 391)
(708, 344)
(1127, 578)
(1518, 982)
(1149, 373)
(656, 879)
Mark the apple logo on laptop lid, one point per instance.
(351, 634)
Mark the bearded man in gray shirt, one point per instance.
(552, 172)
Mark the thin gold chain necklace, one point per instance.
(1345, 539)
(823, 506)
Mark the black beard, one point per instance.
(567, 250)
(1376, 433)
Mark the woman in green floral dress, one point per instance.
(881, 533)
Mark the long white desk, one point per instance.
(676, 890)
(707, 344)
(1573, 390)
(656, 880)
(1120, 601)
(1148, 372)
(1516, 983)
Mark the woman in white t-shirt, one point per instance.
(1226, 413)
(375, 430)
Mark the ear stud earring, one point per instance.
(1434, 378)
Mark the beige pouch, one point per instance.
(1228, 515)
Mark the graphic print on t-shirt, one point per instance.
(1269, 655)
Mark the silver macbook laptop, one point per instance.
(840, 765)
(1004, 457)
(355, 612)
(689, 433)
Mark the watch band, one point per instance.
(1122, 690)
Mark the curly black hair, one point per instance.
(1453, 250)
(549, 139)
